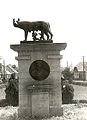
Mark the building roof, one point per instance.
(80, 66)
(11, 69)
(8, 69)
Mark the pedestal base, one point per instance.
(24, 113)
(39, 97)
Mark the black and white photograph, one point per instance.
(43, 60)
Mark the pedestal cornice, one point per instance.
(38, 46)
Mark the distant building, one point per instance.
(11, 69)
(6, 71)
(79, 74)
(76, 73)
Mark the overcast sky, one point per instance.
(67, 18)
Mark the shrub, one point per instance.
(12, 92)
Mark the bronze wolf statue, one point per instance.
(27, 26)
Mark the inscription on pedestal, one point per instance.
(40, 105)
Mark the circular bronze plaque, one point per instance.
(39, 70)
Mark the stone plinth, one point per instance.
(39, 79)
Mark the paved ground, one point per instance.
(80, 92)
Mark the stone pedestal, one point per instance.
(39, 79)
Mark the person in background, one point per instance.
(67, 92)
(12, 91)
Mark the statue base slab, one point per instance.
(40, 41)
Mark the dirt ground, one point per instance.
(80, 92)
(70, 112)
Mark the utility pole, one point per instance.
(67, 64)
(4, 69)
(83, 69)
